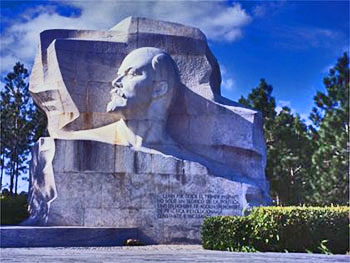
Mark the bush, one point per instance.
(13, 209)
(278, 229)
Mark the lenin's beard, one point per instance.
(117, 102)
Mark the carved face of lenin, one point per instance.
(146, 76)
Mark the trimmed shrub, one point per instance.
(13, 209)
(279, 229)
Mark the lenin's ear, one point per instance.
(160, 88)
(160, 64)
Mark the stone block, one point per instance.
(166, 165)
(95, 156)
(194, 168)
(142, 163)
(124, 160)
(65, 213)
(115, 191)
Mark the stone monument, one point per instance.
(139, 133)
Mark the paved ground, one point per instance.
(160, 253)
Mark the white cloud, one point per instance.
(19, 42)
(296, 36)
(269, 8)
(217, 20)
(8, 61)
(306, 37)
(286, 103)
(346, 48)
(2, 85)
(305, 117)
(327, 68)
(227, 82)
(259, 10)
(283, 103)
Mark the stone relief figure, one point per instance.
(142, 94)
(158, 126)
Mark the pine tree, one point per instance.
(288, 147)
(289, 158)
(261, 98)
(331, 118)
(19, 124)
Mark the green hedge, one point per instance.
(279, 229)
(13, 209)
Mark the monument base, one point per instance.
(102, 185)
(65, 236)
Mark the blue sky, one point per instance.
(292, 44)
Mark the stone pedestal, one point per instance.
(64, 236)
(103, 185)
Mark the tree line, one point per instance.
(308, 164)
(305, 164)
(21, 123)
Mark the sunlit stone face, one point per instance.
(132, 89)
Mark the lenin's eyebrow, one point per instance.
(123, 73)
(127, 71)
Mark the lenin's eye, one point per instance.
(132, 73)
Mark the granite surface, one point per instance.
(140, 136)
(103, 185)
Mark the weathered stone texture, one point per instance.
(132, 195)
(194, 153)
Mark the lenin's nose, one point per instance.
(117, 82)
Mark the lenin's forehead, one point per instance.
(139, 58)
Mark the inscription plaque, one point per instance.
(174, 205)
